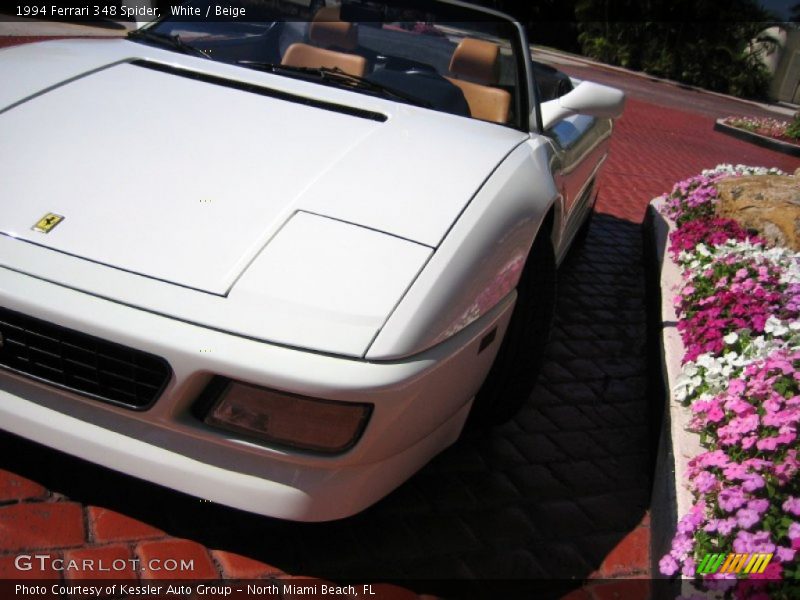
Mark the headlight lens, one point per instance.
(288, 420)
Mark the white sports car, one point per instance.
(275, 263)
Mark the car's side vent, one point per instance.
(79, 362)
(262, 91)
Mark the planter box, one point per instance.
(759, 140)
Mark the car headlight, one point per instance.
(288, 420)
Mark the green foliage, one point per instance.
(793, 130)
(698, 42)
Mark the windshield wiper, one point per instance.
(337, 76)
(173, 41)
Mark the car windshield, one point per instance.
(447, 57)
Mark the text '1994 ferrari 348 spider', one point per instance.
(277, 261)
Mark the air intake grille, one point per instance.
(79, 362)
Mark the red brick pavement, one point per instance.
(652, 147)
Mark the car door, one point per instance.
(580, 145)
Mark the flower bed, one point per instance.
(738, 310)
(783, 131)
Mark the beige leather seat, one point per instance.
(327, 30)
(475, 68)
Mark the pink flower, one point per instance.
(784, 554)
(752, 482)
(792, 505)
(753, 542)
(691, 521)
(725, 526)
(730, 499)
(681, 545)
(705, 482)
(715, 414)
(735, 387)
(759, 505)
(739, 406)
(768, 443)
(749, 441)
(794, 531)
(735, 471)
(689, 568)
(746, 518)
(668, 565)
(716, 458)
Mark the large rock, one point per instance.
(768, 204)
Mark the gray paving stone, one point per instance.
(568, 417)
(580, 445)
(539, 448)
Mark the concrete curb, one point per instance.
(755, 138)
(671, 499)
(685, 445)
(662, 499)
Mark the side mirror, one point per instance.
(588, 98)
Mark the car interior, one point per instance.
(474, 66)
(445, 67)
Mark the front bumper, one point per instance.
(420, 405)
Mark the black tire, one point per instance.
(519, 359)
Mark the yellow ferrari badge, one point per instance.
(47, 223)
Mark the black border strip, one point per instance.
(262, 91)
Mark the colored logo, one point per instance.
(747, 563)
(47, 223)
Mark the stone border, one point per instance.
(759, 140)
(671, 498)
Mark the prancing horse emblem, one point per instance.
(47, 223)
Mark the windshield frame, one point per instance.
(526, 113)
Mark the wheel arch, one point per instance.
(480, 261)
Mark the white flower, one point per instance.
(775, 327)
(705, 360)
(731, 338)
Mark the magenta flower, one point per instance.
(773, 571)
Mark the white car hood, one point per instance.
(185, 182)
